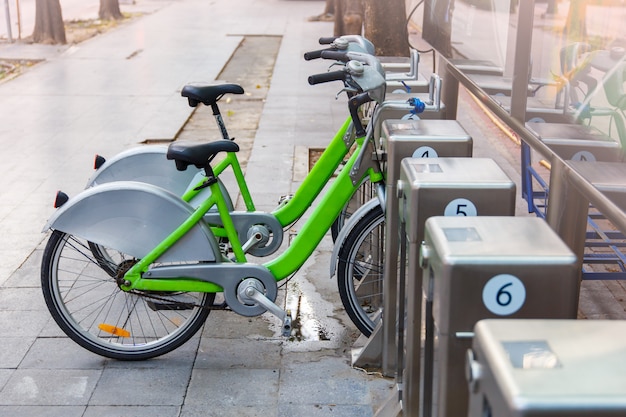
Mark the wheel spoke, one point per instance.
(360, 270)
(79, 281)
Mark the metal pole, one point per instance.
(8, 17)
(19, 20)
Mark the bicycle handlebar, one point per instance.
(335, 54)
(317, 54)
(327, 40)
(327, 77)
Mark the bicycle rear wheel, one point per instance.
(360, 271)
(83, 296)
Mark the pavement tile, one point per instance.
(49, 387)
(142, 386)
(5, 374)
(60, 353)
(13, 350)
(228, 325)
(316, 410)
(327, 381)
(42, 411)
(27, 274)
(243, 353)
(24, 298)
(226, 388)
(134, 411)
(199, 410)
(24, 323)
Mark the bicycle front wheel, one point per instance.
(360, 270)
(79, 281)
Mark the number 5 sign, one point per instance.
(504, 294)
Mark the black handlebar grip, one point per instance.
(336, 55)
(326, 77)
(327, 40)
(316, 54)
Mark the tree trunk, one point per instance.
(385, 26)
(348, 17)
(49, 27)
(575, 29)
(110, 10)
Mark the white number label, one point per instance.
(584, 156)
(425, 152)
(460, 207)
(504, 294)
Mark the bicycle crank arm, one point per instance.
(251, 291)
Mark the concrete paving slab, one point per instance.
(315, 410)
(324, 382)
(25, 323)
(49, 387)
(21, 299)
(215, 353)
(200, 410)
(228, 325)
(166, 386)
(129, 410)
(42, 411)
(13, 350)
(59, 353)
(233, 389)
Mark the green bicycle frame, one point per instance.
(311, 234)
(229, 160)
(313, 184)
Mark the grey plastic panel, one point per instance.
(146, 164)
(133, 218)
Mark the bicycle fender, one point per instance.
(347, 228)
(146, 164)
(133, 218)
(150, 165)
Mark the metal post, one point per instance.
(449, 89)
(7, 13)
(19, 19)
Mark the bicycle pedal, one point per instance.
(286, 329)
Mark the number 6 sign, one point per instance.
(504, 294)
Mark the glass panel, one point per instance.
(578, 50)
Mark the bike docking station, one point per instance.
(546, 368)
(403, 139)
(456, 187)
(577, 142)
(474, 269)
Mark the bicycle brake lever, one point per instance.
(347, 90)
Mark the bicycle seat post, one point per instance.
(220, 121)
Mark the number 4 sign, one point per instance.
(504, 294)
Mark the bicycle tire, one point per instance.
(360, 270)
(86, 302)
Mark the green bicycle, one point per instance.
(131, 271)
